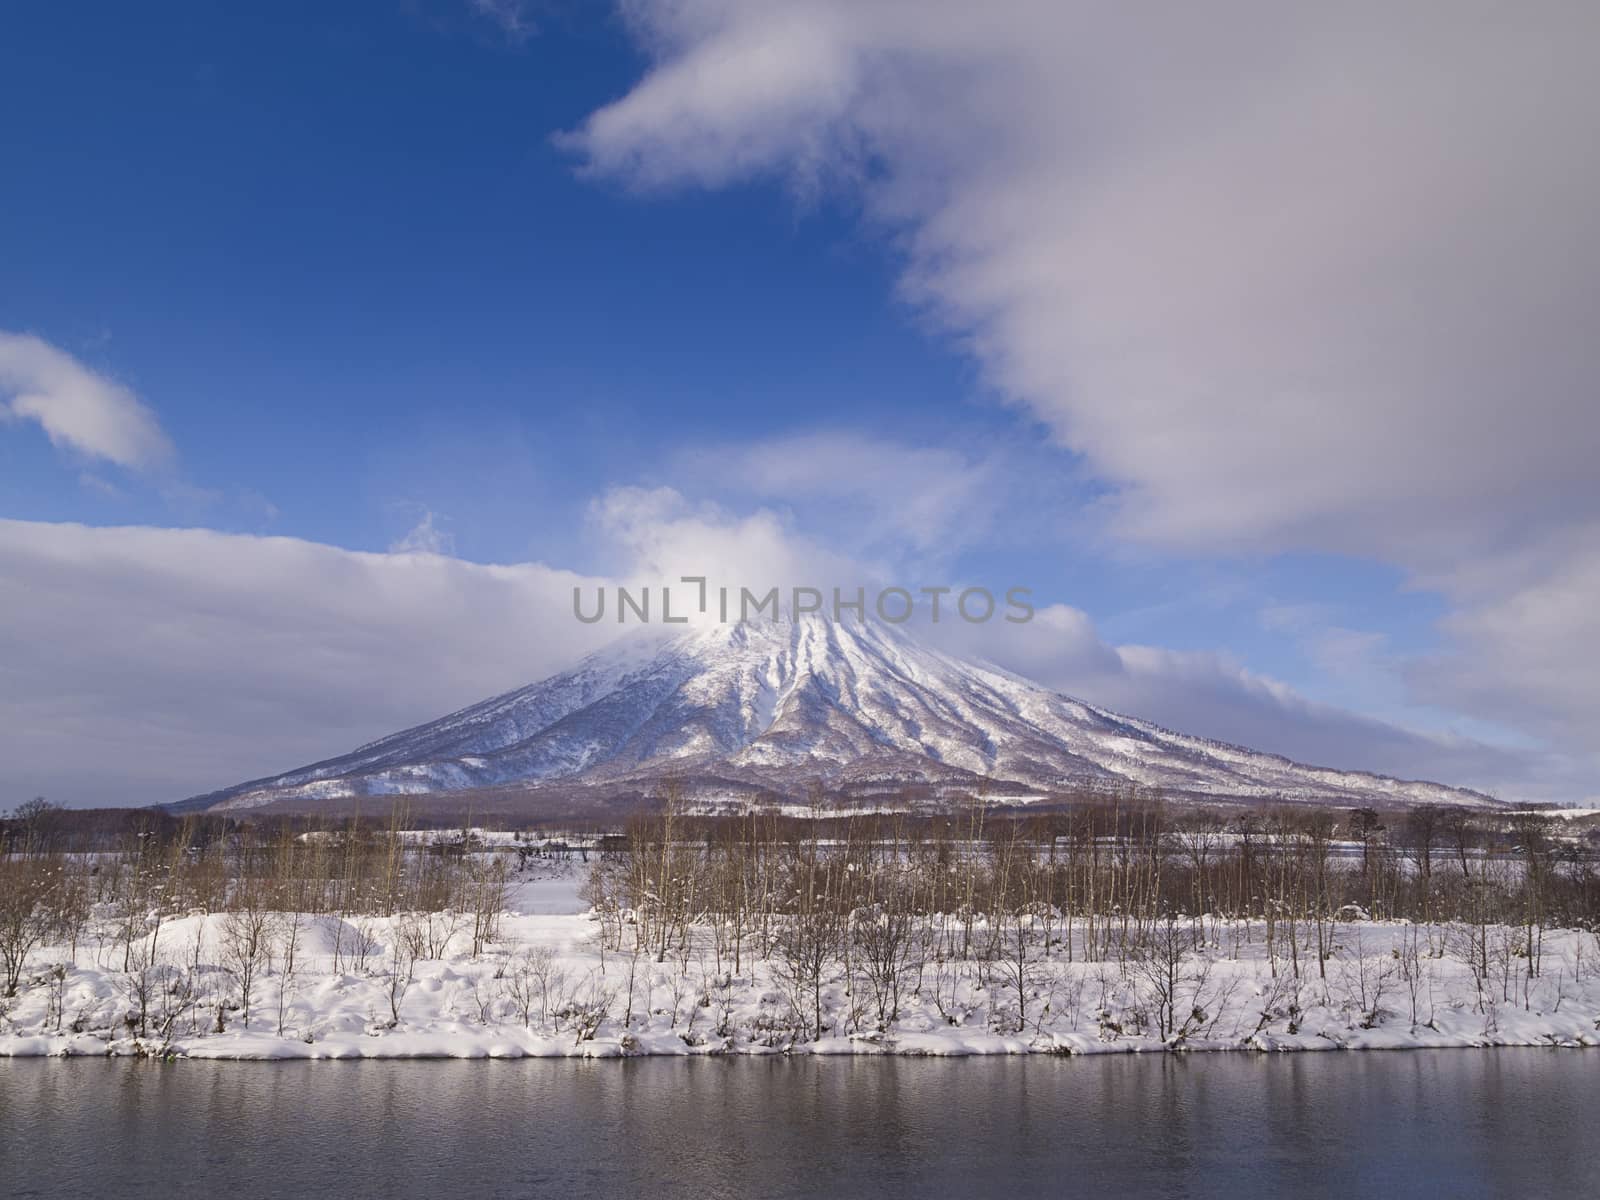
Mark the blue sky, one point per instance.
(338, 243)
(470, 269)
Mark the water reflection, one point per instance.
(1463, 1124)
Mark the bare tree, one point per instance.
(289, 925)
(486, 894)
(245, 944)
(400, 968)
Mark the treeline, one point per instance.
(897, 902)
(893, 897)
(1113, 861)
(160, 866)
(39, 825)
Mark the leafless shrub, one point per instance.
(584, 1010)
(532, 979)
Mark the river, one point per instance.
(1506, 1123)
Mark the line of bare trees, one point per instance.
(895, 903)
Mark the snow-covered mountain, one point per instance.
(778, 710)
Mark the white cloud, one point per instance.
(1279, 271)
(1287, 277)
(77, 407)
(140, 665)
(658, 536)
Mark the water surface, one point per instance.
(1507, 1123)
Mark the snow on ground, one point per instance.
(1388, 985)
(548, 890)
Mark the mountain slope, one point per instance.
(775, 709)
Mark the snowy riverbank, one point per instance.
(543, 987)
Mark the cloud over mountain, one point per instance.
(142, 665)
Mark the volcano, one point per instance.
(786, 711)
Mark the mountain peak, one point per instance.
(772, 709)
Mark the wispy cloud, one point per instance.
(875, 492)
(425, 537)
(1337, 650)
(511, 17)
(97, 483)
(78, 408)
